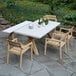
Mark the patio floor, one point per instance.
(40, 65)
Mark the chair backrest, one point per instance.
(51, 17)
(11, 36)
(13, 43)
(60, 36)
(67, 29)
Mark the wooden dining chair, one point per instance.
(17, 48)
(51, 17)
(57, 42)
(69, 30)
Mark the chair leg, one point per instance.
(45, 48)
(60, 58)
(31, 52)
(7, 60)
(20, 60)
(68, 45)
(71, 41)
(66, 51)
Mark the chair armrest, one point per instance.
(70, 28)
(58, 34)
(26, 45)
(52, 39)
(66, 29)
(57, 40)
(15, 39)
(62, 35)
(13, 43)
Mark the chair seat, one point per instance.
(56, 42)
(16, 50)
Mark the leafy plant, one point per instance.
(25, 10)
(43, 20)
(2, 1)
(70, 17)
(10, 3)
(73, 5)
(66, 1)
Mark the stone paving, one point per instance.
(40, 65)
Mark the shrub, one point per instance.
(72, 6)
(25, 11)
(70, 17)
(2, 0)
(66, 1)
(10, 3)
(53, 5)
(43, 1)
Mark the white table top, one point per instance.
(36, 31)
(18, 26)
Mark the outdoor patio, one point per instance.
(40, 65)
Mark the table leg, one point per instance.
(34, 46)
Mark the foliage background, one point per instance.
(17, 11)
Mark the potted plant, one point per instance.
(43, 20)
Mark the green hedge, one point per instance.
(71, 16)
(29, 10)
(72, 6)
(25, 10)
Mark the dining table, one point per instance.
(33, 30)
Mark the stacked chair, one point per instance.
(69, 30)
(66, 30)
(60, 38)
(56, 41)
(17, 48)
